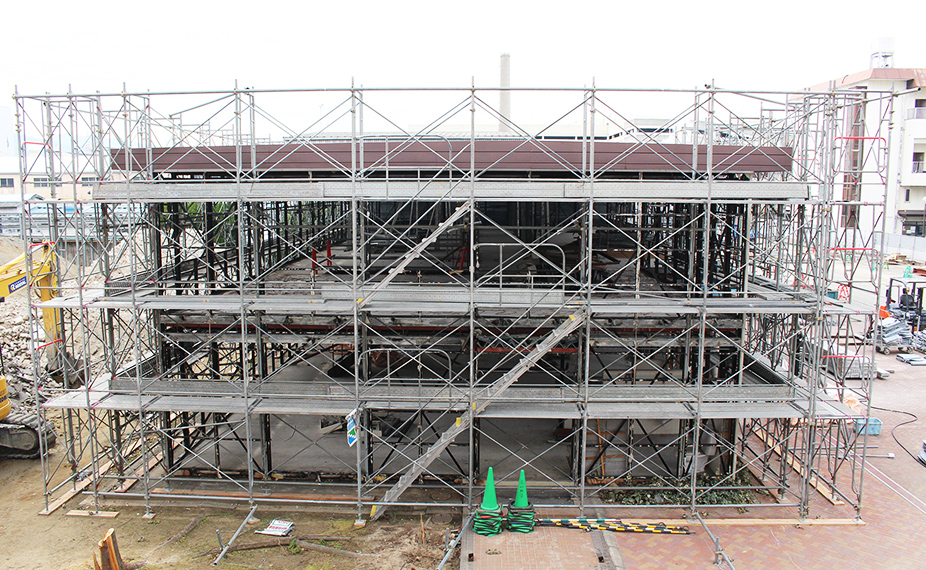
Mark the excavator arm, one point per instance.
(17, 274)
(20, 433)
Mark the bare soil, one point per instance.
(33, 542)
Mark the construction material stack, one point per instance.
(919, 341)
(893, 332)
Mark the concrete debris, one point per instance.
(18, 336)
(17, 354)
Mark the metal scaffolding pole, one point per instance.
(420, 277)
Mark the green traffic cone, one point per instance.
(520, 499)
(489, 501)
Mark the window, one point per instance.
(918, 165)
(40, 182)
(912, 228)
(919, 109)
(907, 195)
(89, 180)
(6, 183)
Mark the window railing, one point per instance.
(919, 166)
(917, 113)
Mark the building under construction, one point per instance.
(367, 297)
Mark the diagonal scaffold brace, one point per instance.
(494, 390)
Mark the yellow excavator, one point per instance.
(19, 433)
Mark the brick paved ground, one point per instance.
(546, 548)
(890, 539)
(894, 536)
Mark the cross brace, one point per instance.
(414, 252)
(479, 405)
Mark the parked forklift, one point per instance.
(908, 303)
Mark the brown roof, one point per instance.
(491, 155)
(887, 73)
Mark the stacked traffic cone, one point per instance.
(521, 511)
(489, 515)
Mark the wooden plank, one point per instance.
(139, 473)
(97, 514)
(244, 495)
(67, 496)
(821, 488)
(80, 486)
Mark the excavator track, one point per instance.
(19, 436)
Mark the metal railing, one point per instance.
(917, 113)
(720, 557)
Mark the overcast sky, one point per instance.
(188, 45)
(171, 45)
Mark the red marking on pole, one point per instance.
(844, 356)
(526, 349)
(882, 139)
(40, 347)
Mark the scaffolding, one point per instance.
(258, 271)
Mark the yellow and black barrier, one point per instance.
(615, 525)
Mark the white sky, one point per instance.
(188, 45)
(172, 45)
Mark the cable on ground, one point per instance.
(898, 425)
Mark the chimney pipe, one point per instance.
(504, 95)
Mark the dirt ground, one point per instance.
(34, 542)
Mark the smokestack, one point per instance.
(504, 95)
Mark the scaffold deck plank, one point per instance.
(532, 410)
(488, 190)
(638, 410)
(295, 406)
(431, 301)
(711, 410)
(831, 410)
(396, 395)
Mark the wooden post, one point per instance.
(109, 552)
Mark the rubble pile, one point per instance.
(17, 353)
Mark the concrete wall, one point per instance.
(911, 246)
